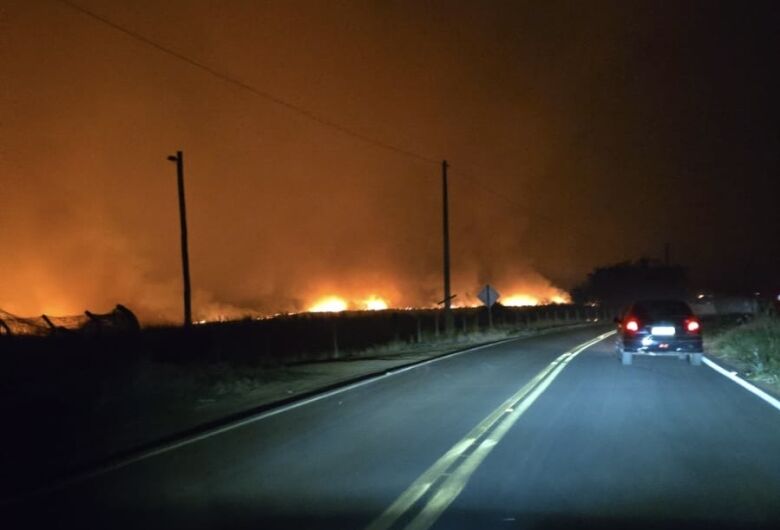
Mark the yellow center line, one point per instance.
(475, 446)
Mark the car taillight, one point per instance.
(632, 325)
(692, 325)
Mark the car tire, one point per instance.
(695, 359)
(626, 357)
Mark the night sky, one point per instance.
(579, 134)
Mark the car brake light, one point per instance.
(692, 325)
(632, 325)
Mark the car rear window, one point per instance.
(661, 308)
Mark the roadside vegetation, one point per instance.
(71, 400)
(753, 348)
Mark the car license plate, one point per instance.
(663, 331)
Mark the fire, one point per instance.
(519, 300)
(334, 304)
(375, 303)
(329, 304)
(378, 297)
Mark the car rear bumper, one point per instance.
(676, 354)
(661, 345)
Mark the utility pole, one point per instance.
(448, 318)
(185, 257)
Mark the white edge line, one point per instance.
(549, 373)
(741, 382)
(290, 406)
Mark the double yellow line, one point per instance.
(447, 477)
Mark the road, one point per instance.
(537, 433)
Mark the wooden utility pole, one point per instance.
(448, 318)
(185, 256)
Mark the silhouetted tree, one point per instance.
(622, 283)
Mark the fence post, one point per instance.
(335, 339)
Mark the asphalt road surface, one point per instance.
(536, 433)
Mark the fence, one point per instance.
(120, 319)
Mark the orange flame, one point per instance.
(328, 304)
(519, 300)
(334, 303)
(375, 303)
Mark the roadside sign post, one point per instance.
(489, 296)
(449, 319)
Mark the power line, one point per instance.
(286, 104)
(474, 181)
(246, 86)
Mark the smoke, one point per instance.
(282, 210)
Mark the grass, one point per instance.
(219, 380)
(754, 348)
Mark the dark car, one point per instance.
(659, 327)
